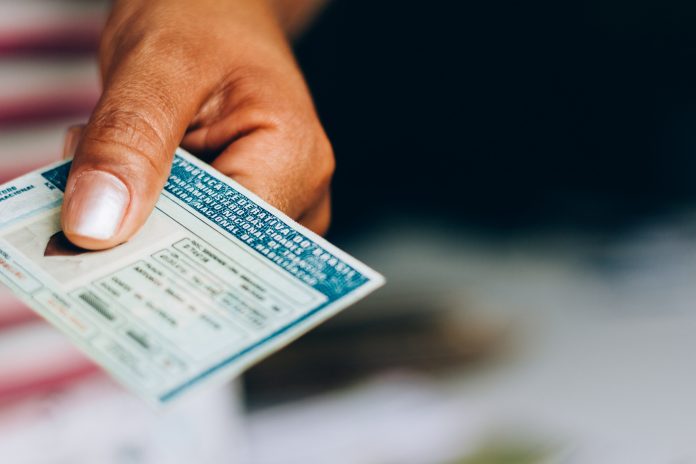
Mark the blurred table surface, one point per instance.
(598, 368)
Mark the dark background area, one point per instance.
(506, 115)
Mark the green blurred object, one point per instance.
(507, 454)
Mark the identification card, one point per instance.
(215, 281)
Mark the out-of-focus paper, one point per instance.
(216, 280)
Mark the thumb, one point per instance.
(124, 154)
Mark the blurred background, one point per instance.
(521, 172)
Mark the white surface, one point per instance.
(97, 422)
(601, 366)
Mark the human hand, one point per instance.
(217, 77)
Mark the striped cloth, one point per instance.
(48, 80)
(52, 397)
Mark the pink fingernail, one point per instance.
(97, 206)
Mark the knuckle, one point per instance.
(129, 131)
(325, 222)
(174, 54)
(158, 41)
(327, 160)
(322, 223)
(321, 227)
(126, 127)
(159, 51)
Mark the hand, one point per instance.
(217, 77)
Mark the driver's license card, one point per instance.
(216, 280)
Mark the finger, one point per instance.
(290, 176)
(253, 161)
(72, 138)
(318, 218)
(125, 151)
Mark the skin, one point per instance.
(216, 77)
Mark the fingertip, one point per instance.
(89, 243)
(318, 218)
(94, 210)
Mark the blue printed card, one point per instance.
(215, 281)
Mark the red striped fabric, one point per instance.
(48, 79)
